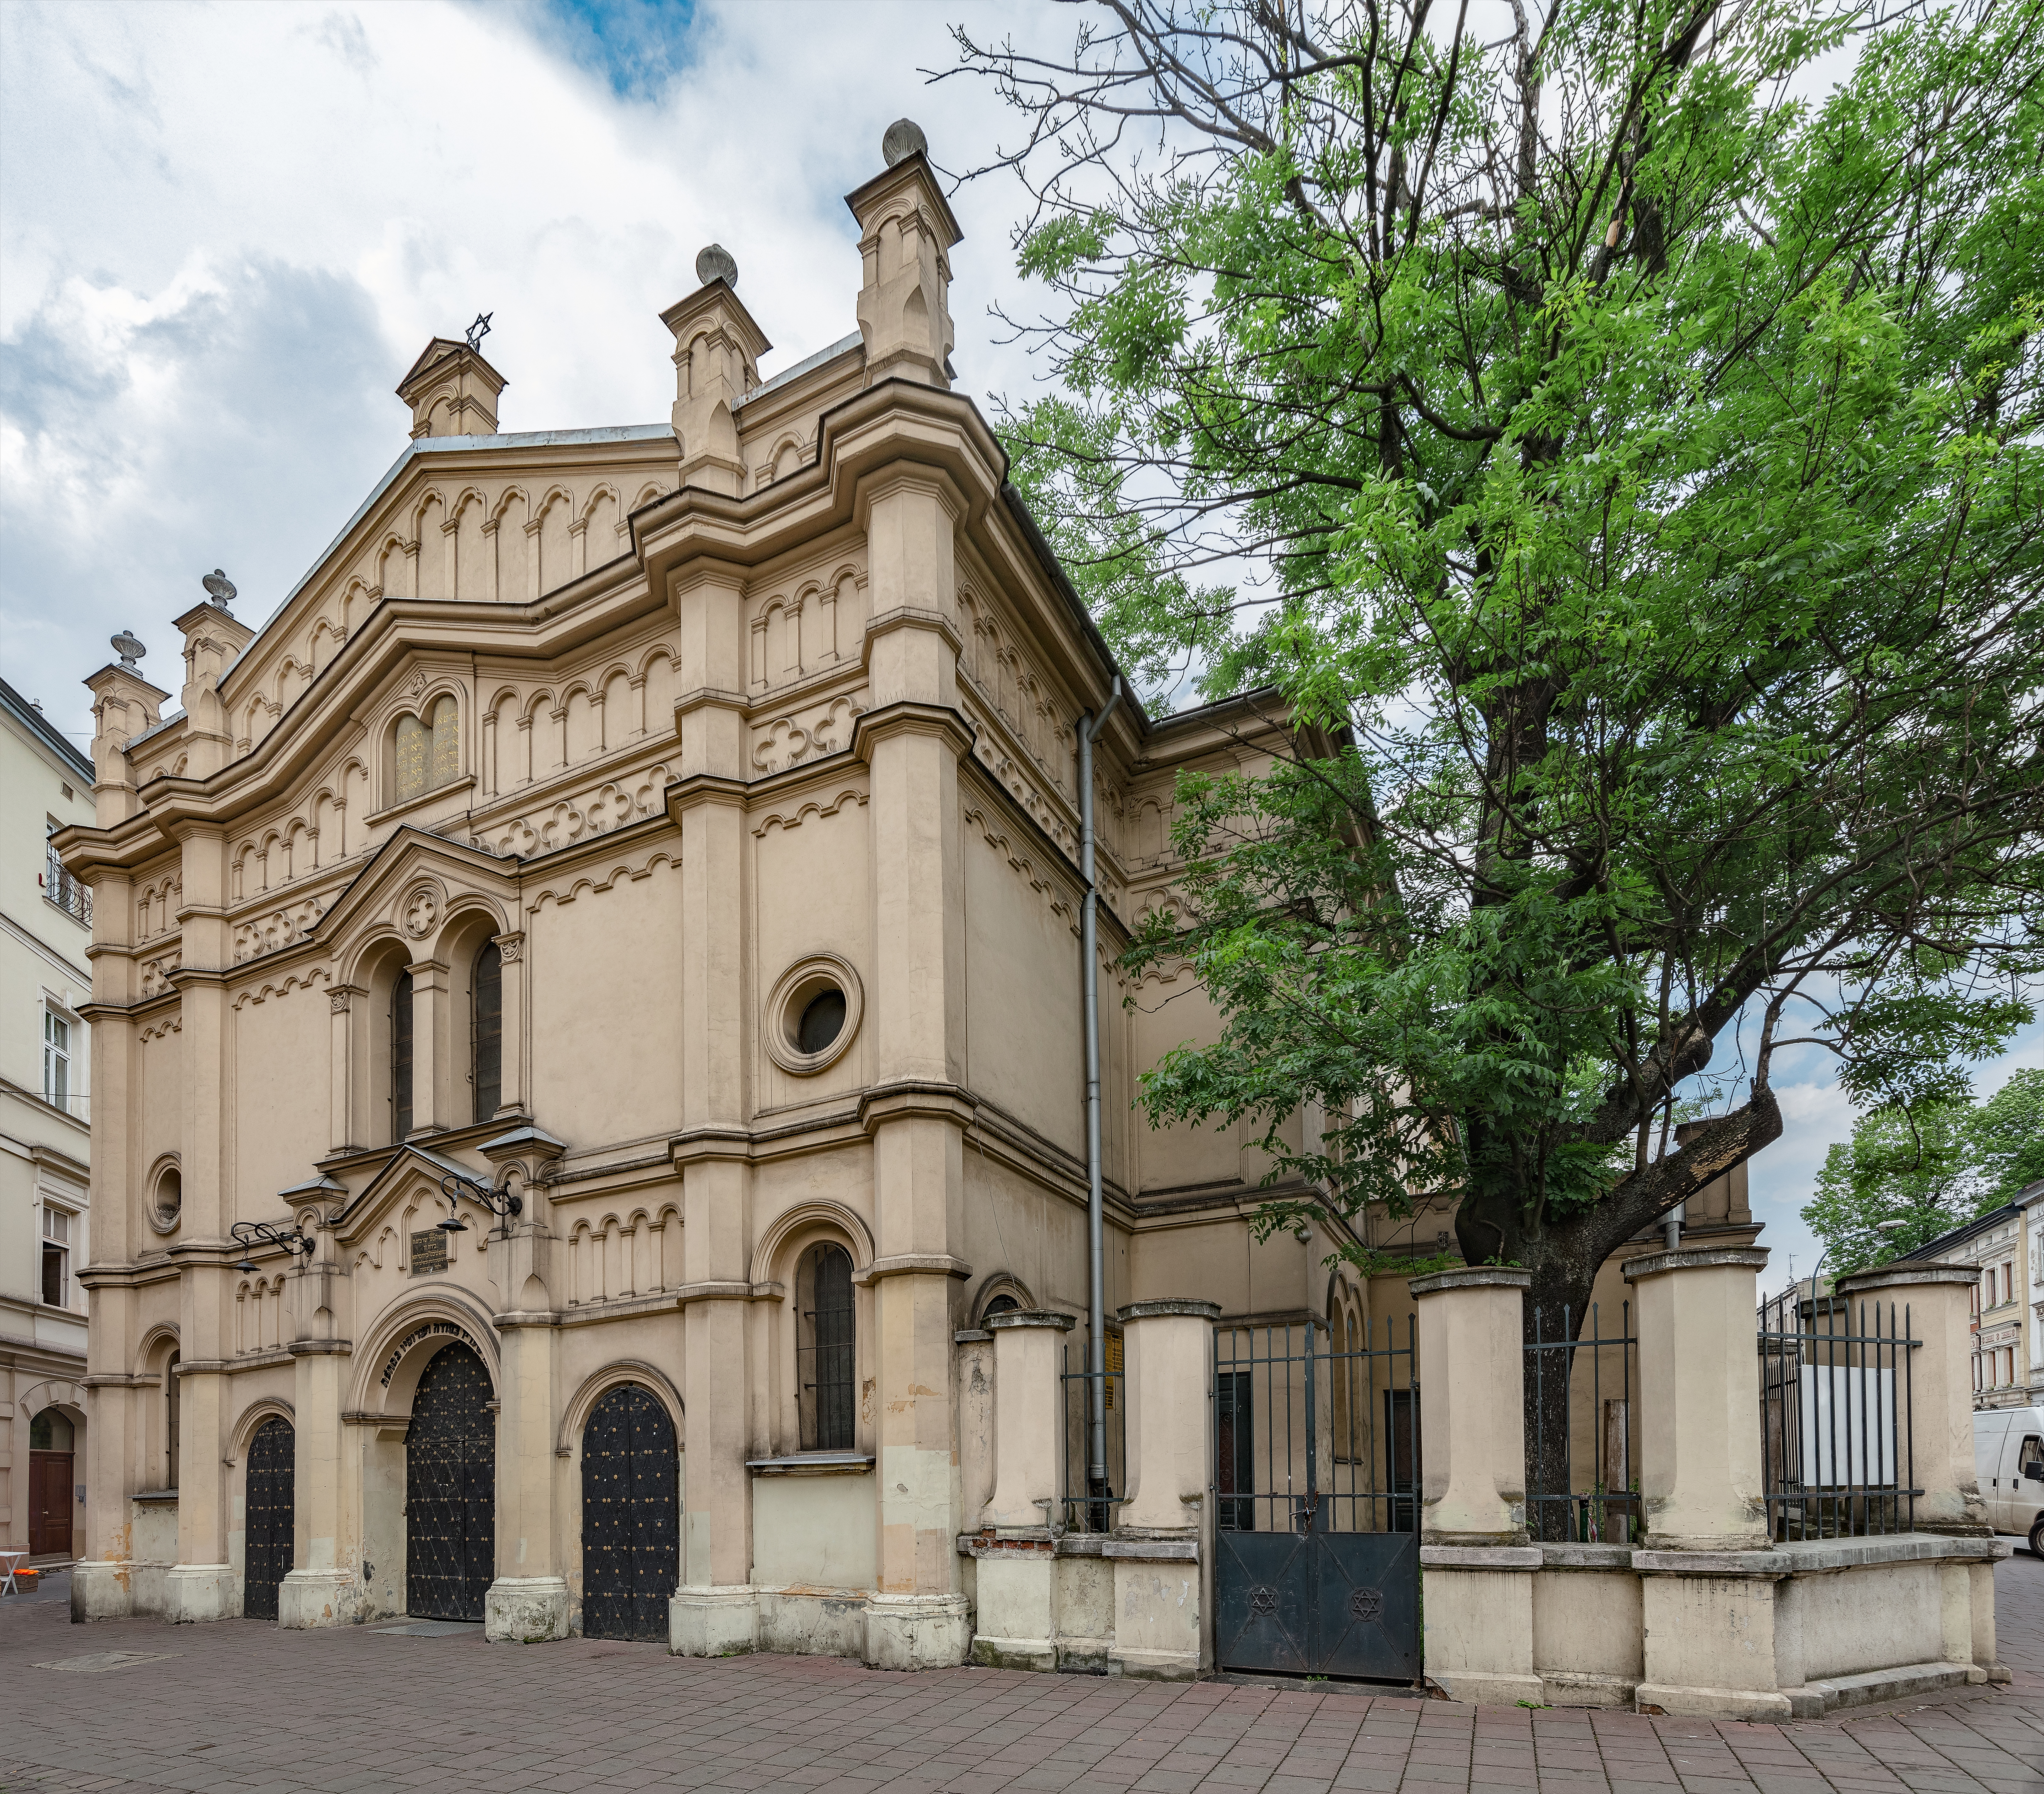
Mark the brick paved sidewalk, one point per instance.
(244, 1708)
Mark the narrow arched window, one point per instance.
(401, 1057)
(823, 1347)
(170, 1405)
(488, 988)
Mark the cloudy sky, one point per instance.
(226, 231)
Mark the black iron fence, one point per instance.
(1090, 1500)
(1582, 1456)
(1837, 1428)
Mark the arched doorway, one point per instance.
(270, 1516)
(451, 1489)
(51, 1461)
(630, 1522)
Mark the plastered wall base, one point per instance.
(102, 1589)
(525, 1609)
(713, 1621)
(916, 1631)
(198, 1592)
(307, 1600)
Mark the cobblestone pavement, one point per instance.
(244, 1708)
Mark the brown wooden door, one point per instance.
(49, 1502)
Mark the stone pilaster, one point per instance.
(1477, 1567)
(1168, 1359)
(1017, 1579)
(1932, 1306)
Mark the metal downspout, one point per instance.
(1088, 731)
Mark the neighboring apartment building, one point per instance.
(2006, 1247)
(45, 1114)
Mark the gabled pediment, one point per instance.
(411, 1169)
(413, 881)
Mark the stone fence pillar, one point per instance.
(1700, 1477)
(1016, 1627)
(1476, 1566)
(1168, 1356)
(1707, 1580)
(1941, 1389)
(1940, 1438)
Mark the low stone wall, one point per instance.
(1101, 1603)
(1791, 1632)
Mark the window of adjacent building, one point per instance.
(56, 1256)
(429, 750)
(488, 1056)
(823, 1347)
(171, 1418)
(56, 1059)
(401, 1057)
(2008, 1283)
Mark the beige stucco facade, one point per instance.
(690, 723)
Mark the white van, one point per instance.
(2008, 1454)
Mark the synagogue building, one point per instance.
(587, 1021)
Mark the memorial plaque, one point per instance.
(428, 1252)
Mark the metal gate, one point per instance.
(451, 1489)
(631, 1517)
(1315, 1486)
(269, 1517)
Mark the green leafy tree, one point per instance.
(1623, 460)
(2008, 1139)
(1904, 1177)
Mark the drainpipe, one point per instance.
(1088, 731)
(1671, 1226)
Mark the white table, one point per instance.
(9, 1562)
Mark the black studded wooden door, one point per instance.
(631, 1516)
(269, 1518)
(451, 1489)
(1316, 1558)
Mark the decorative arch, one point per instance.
(407, 1335)
(53, 1392)
(786, 1231)
(1000, 1283)
(262, 1408)
(574, 1416)
(153, 1344)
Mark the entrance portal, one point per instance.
(451, 1489)
(631, 1523)
(271, 1517)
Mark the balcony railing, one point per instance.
(73, 897)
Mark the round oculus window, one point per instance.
(823, 1021)
(169, 1199)
(812, 1014)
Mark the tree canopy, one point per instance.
(1619, 443)
(1907, 1177)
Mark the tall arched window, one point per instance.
(488, 1051)
(401, 1057)
(823, 1347)
(428, 749)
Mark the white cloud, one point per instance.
(227, 231)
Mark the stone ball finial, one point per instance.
(218, 588)
(129, 647)
(904, 139)
(715, 263)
